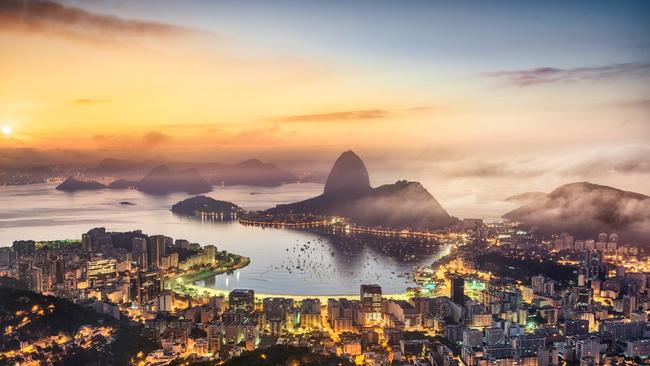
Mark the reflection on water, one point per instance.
(282, 261)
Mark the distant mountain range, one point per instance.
(251, 172)
(348, 193)
(159, 181)
(586, 209)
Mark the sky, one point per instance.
(522, 93)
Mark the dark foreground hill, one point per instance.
(585, 209)
(286, 355)
(48, 316)
(348, 193)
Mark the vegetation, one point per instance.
(49, 316)
(286, 355)
(524, 269)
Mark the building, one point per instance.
(242, 299)
(155, 250)
(458, 290)
(101, 268)
(371, 303)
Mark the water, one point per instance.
(40, 212)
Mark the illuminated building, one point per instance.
(155, 250)
(371, 303)
(101, 268)
(139, 252)
(458, 290)
(242, 299)
(576, 327)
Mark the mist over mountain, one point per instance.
(348, 193)
(319, 176)
(586, 209)
(525, 197)
(162, 180)
(251, 172)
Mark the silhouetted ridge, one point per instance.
(586, 209)
(71, 185)
(348, 193)
(348, 175)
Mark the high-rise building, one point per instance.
(242, 299)
(156, 250)
(458, 290)
(210, 252)
(370, 296)
(102, 268)
(139, 252)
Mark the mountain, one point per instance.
(72, 185)
(525, 197)
(586, 209)
(198, 205)
(348, 193)
(319, 176)
(51, 317)
(251, 172)
(123, 184)
(122, 167)
(161, 180)
(348, 176)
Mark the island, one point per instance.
(71, 184)
(203, 206)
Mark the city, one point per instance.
(587, 304)
(324, 183)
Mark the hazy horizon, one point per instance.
(476, 101)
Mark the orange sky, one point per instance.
(78, 79)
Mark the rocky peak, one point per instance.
(348, 175)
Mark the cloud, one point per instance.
(47, 17)
(364, 114)
(91, 101)
(597, 163)
(546, 75)
(153, 138)
(131, 142)
(630, 160)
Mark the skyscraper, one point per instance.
(156, 250)
(458, 290)
(139, 252)
(371, 303)
(241, 299)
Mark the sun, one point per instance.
(6, 130)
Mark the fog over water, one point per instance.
(40, 212)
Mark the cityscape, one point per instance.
(286, 183)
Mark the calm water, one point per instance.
(282, 261)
